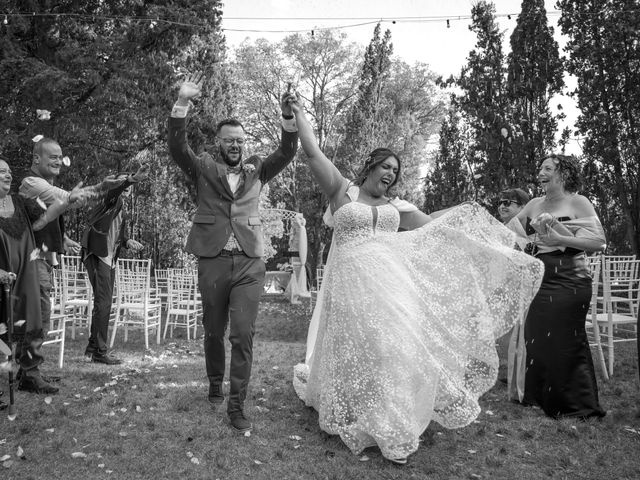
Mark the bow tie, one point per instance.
(236, 169)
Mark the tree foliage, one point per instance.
(534, 76)
(503, 102)
(604, 54)
(106, 71)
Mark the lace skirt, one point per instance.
(406, 329)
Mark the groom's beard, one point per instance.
(225, 155)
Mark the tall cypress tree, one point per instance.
(484, 102)
(534, 76)
(364, 123)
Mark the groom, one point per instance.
(226, 236)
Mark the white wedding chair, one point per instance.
(615, 309)
(137, 303)
(76, 294)
(184, 305)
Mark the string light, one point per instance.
(363, 20)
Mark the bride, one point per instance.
(405, 325)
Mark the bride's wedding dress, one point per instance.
(405, 326)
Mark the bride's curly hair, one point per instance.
(569, 169)
(374, 159)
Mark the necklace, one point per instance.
(4, 203)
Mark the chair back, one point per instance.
(621, 283)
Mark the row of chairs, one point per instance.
(615, 298)
(138, 301)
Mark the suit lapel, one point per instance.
(222, 174)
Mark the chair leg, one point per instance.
(145, 322)
(610, 350)
(62, 340)
(166, 325)
(115, 327)
(599, 352)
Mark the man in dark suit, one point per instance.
(226, 236)
(102, 240)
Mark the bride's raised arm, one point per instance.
(324, 171)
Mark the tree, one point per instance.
(413, 109)
(449, 182)
(534, 76)
(398, 107)
(483, 101)
(366, 123)
(604, 56)
(321, 68)
(106, 72)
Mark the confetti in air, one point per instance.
(43, 114)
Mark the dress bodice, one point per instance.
(356, 221)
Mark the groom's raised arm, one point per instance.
(179, 147)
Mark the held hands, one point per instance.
(294, 102)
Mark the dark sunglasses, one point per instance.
(506, 203)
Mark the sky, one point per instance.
(427, 40)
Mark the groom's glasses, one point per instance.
(506, 203)
(230, 141)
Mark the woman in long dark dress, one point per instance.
(19, 217)
(561, 226)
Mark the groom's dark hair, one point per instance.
(232, 122)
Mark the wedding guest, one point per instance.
(51, 240)
(19, 218)
(102, 240)
(561, 227)
(511, 202)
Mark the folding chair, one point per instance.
(183, 302)
(595, 267)
(76, 300)
(614, 315)
(137, 304)
(58, 320)
(621, 273)
(161, 280)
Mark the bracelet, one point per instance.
(287, 117)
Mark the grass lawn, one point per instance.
(149, 418)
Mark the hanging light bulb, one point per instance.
(5, 21)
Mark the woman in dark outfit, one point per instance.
(561, 226)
